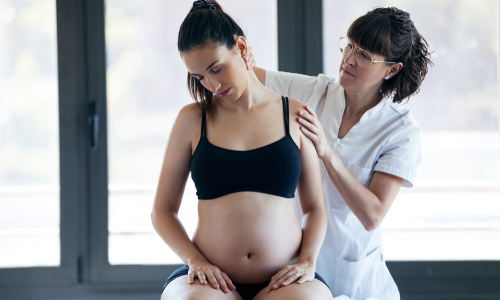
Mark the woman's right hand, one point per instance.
(208, 273)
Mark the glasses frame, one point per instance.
(356, 56)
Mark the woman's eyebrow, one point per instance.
(211, 65)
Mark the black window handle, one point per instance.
(93, 125)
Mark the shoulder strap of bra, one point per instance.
(286, 114)
(203, 124)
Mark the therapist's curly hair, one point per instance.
(206, 22)
(391, 33)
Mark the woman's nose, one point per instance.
(350, 59)
(213, 85)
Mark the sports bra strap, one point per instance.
(203, 124)
(286, 114)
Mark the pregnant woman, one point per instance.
(246, 159)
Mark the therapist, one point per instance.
(368, 143)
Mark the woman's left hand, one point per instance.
(312, 129)
(299, 272)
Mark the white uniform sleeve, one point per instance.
(401, 155)
(307, 89)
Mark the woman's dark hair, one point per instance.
(391, 33)
(206, 22)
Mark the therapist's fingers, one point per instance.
(316, 135)
(314, 138)
(309, 115)
(308, 125)
(250, 59)
(311, 111)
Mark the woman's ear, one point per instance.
(394, 69)
(240, 45)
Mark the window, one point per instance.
(29, 136)
(451, 213)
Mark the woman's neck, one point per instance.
(253, 95)
(358, 102)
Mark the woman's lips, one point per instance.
(347, 72)
(224, 94)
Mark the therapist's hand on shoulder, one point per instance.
(296, 273)
(312, 129)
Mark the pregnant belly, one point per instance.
(251, 237)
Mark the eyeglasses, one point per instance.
(363, 58)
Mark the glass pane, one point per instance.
(29, 139)
(146, 89)
(452, 212)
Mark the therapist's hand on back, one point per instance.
(311, 127)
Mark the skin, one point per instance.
(361, 86)
(247, 237)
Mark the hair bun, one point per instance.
(202, 4)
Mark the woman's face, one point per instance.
(355, 78)
(220, 70)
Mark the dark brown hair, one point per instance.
(202, 25)
(391, 33)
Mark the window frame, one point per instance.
(72, 153)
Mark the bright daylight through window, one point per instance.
(29, 139)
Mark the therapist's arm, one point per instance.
(261, 75)
(307, 89)
(369, 205)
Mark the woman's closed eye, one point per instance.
(216, 69)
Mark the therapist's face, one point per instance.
(220, 70)
(354, 77)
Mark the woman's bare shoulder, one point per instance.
(189, 112)
(295, 105)
(189, 115)
(188, 121)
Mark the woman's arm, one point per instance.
(370, 205)
(312, 203)
(173, 177)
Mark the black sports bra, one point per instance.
(272, 169)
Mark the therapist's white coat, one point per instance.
(386, 139)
